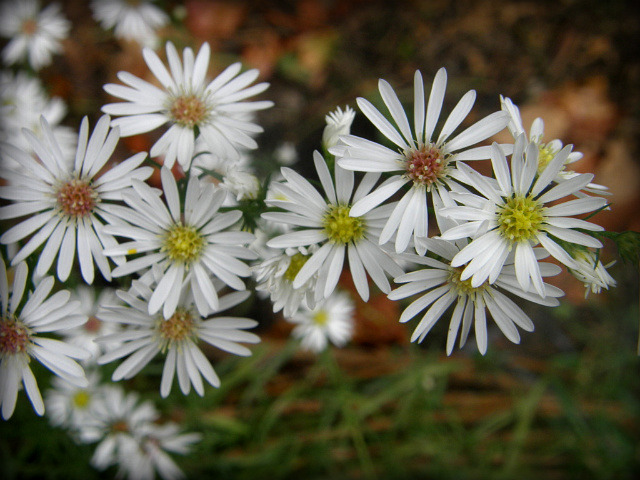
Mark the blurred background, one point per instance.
(565, 403)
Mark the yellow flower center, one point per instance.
(295, 264)
(81, 399)
(76, 198)
(183, 243)
(176, 328)
(188, 110)
(14, 337)
(340, 227)
(519, 219)
(320, 318)
(463, 287)
(545, 155)
(426, 165)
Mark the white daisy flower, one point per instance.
(546, 151)
(176, 338)
(85, 335)
(67, 201)
(422, 160)
(70, 406)
(189, 242)
(242, 184)
(192, 106)
(330, 321)
(332, 224)
(149, 454)
(34, 35)
(515, 216)
(275, 276)
(591, 271)
(21, 327)
(338, 123)
(440, 286)
(25, 100)
(137, 21)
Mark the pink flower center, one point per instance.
(92, 325)
(14, 337)
(426, 165)
(76, 198)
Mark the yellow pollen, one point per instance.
(177, 328)
(76, 198)
(188, 111)
(340, 227)
(519, 219)
(81, 399)
(426, 165)
(183, 244)
(14, 337)
(463, 287)
(545, 155)
(295, 264)
(131, 251)
(320, 318)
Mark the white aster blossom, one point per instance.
(275, 276)
(137, 21)
(589, 270)
(21, 339)
(440, 286)
(67, 201)
(330, 321)
(35, 35)
(329, 221)
(148, 454)
(192, 106)
(190, 243)
(176, 338)
(243, 185)
(421, 160)
(338, 123)
(546, 151)
(24, 101)
(85, 335)
(70, 406)
(512, 214)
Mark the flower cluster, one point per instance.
(180, 233)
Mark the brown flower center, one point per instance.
(188, 111)
(14, 337)
(77, 198)
(426, 165)
(29, 26)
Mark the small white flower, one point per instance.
(243, 185)
(85, 335)
(214, 110)
(546, 151)
(24, 100)
(148, 454)
(286, 154)
(176, 338)
(422, 160)
(34, 35)
(440, 286)
(70, 406)
(137, 21)
(330, 321)
(21, 327)
(332, 224)
(189, 242)
(338, 123)
(512, 214)
(67, 201)
(591, 271)
(275, 275)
